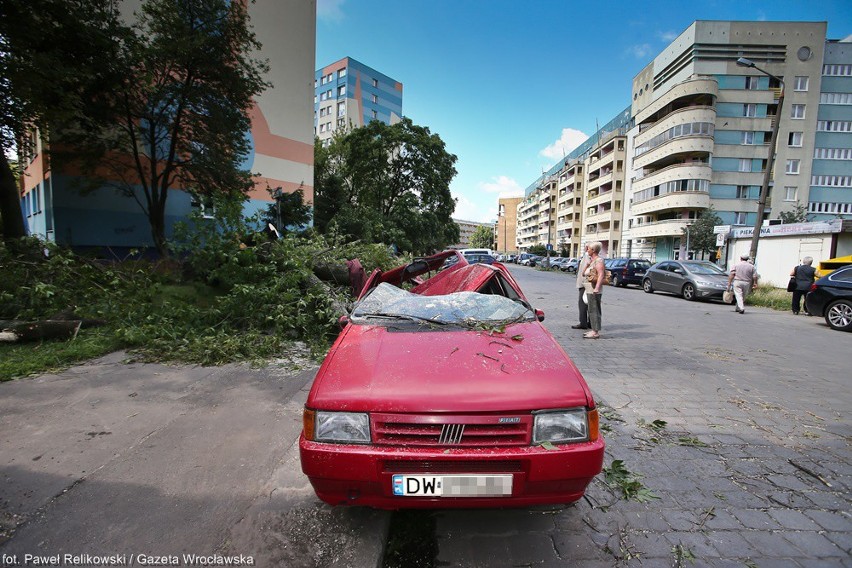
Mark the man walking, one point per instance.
(581, 305)
(743, 277)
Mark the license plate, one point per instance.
(640, 273)
(452, 485)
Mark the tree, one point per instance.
(537, 249)
(482, 237)
(387, 183)
(56, 59)
(799, 214)
(288, 210)
(701, 235)
(180, 117)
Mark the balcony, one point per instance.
(681, 116)
(672, 201)
(693, 144)
(671, 173)
(689, 88)
(667, 228)
(602, 217)
(599, 199)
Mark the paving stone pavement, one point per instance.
(750, 465)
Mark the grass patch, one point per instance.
(24, 359)
(769, 297)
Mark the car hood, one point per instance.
(376, 369)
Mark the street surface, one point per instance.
(747, 464)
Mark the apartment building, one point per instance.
(830, 192)
(569, 207)
(349, 94)
(466, 230)
(703, 127)
(507, 224)
(281, 137)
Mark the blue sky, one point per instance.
(509, 84)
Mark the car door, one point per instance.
(678, 277)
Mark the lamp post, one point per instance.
(773, 141)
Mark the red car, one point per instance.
(448, 392)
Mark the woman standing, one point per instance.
(804, 275)
(594, 287)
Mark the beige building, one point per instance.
(466, 230)
(569, 207)
(604, 191)
(507, 225)
(703, 126)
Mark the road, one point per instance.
(752, 466)
(747, 464)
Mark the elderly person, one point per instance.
(594, 285)
(581, 288)
(743, 276)
(804, 275)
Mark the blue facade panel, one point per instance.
(830, 194)
(834, 112)
(833, 140)
(832, 167)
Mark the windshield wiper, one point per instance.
(403, 317)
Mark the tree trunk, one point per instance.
(157, 217)
(10, 203)
(34, 331)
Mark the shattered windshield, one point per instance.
(464, 308)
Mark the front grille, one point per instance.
(448, 466)
(451, 430)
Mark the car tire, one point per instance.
(646, 285)
(616, 281)
(688, 292)
(838, 315)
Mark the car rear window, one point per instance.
(641, 264)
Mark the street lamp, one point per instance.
(773, 141)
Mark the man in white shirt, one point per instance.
(743, 277)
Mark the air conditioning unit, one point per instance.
(770, 222)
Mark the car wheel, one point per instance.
(688, 291)
(616, 281)
(838, 315)
(646, 285)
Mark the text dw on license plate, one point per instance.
(452, 485)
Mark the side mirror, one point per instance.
(678, 271)
(343, 321)
(539, 315)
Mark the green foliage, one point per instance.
(769, 297)
(540, 250)
(799, 214)
(387, 184)
(701, 235)
(482, 237)
(229, 301)
(619, 477)
(288, 211)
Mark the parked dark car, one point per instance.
(693, 279)
(831, 298)
(628, 271)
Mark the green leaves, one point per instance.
(619, 477)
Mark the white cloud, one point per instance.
(467, 210)
(330, 10)
(504, 186)
(569, 140)
(639, 51)
(667, 36)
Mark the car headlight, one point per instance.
(341, 427)
(561, 426)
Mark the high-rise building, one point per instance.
(348, 94)
(703, 127)
(830, 192)
(507, 224)
(281, 138)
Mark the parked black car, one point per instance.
(628, 271)
(831, 298)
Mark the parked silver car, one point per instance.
(693, 279)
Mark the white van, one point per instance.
(476, 251)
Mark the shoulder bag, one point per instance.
(791, 285)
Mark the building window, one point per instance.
(833, 154)
(375, 98)
(341, 109)
(742, 192)
(751, 83)
(341, 73)
(832, 181)
(748, 137)
(375, 114)
(790, 193)
(795, 140)
(740, 219)
(341, 91)
(836, 98)
(801, 84)
(834, 126)
(745, 165)
(797, 111)
(837, 70)
(375, 82)
(750, 109)
(793, 166)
